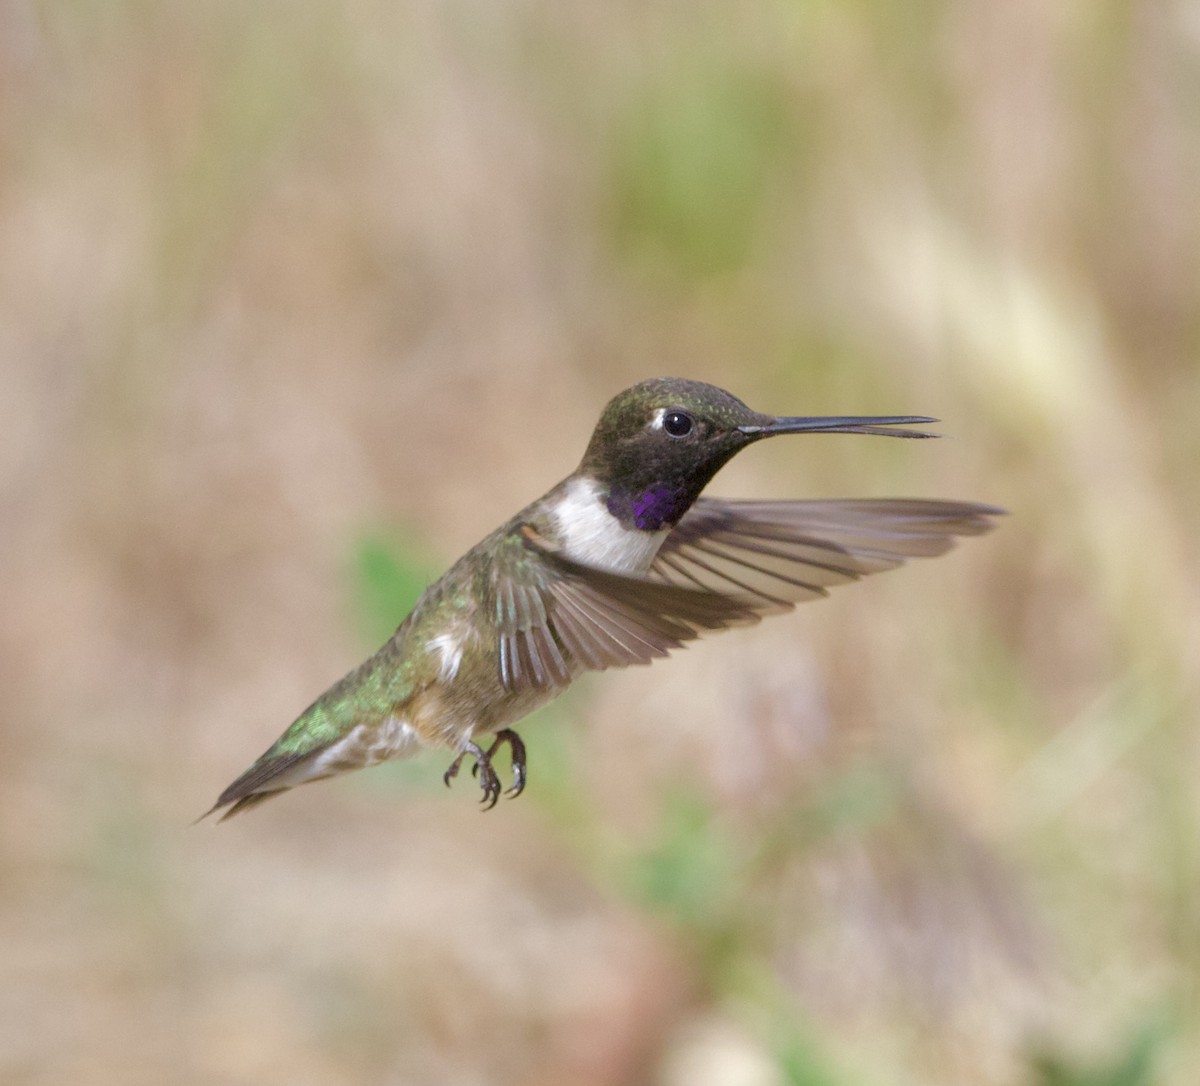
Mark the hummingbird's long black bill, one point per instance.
(883, 425)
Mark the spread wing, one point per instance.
(774, 554)
(555, 617)
(726, 563)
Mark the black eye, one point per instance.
(677, 423)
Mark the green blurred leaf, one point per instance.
(694, 161)
(802, 1061)
(390, 575)
(689, 871)
(1136, 1064)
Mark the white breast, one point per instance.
(591, 535)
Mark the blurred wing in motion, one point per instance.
(774, 554)
(726, 563)
(556, 617)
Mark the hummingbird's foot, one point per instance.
(488, 778)
(517, 746)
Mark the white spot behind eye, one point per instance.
(656, 423)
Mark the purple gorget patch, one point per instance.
(651, 510)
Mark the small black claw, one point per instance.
(488, 779)
(491, 788)
(452, 772)
(517, 746)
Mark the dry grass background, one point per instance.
(297, 300)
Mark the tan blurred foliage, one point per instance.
(277, 278)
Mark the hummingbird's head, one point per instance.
(659, 443)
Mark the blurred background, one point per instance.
(298, 300)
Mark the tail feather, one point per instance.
(252, 800)
(261, 781)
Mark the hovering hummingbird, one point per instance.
(618, 564)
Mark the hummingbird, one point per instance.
(620, 563)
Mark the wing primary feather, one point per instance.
(576, 641)
(535, 606)
(671, 562)
(558, 666)
(541, 641)
(515, 671)
(726, 556)
(642, 617)
(537, 666)
(609, 624)
(597, 643)
(738, 540)
(722, 575)
(505, 667)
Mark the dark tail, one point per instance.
(255, 785)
